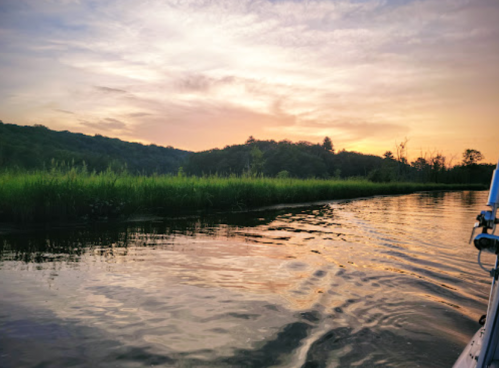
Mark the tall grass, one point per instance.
(73, 194)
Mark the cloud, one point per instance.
(107, 124)
(196, 73)
(110, 90)
(209, 124)
(64, 111)
(190, 82)
(139, 114)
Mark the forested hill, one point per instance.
(284, 158)
(305, 160)
(36, 147)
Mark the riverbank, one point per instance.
(74, 195)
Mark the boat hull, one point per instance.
(469, 356)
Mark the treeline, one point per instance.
(282, 159)
(35, 148)
(432, 168)
(30, 148)
(307, 160)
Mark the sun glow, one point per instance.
(199, 75)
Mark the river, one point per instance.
(377, 282)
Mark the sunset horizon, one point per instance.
(198, 75)
(450, 161)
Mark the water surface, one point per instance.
(378, 282)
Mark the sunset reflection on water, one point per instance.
(387, 277)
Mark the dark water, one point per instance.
(381, 282)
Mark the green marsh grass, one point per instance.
(77, 195)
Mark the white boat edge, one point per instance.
(483, 349)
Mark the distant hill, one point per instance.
(35, 147)
(284, 158)
(305, 160)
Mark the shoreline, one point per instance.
(44, 199)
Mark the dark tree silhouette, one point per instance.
(35, 147)
(257, 161)
(388, 155)
(29, 148)
(471, 157)
(327, 144)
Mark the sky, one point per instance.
(200, 74)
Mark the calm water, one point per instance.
(380, 282)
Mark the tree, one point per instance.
(437, 167)
(284, 174)
(402, 151)
(327, 144)
(423, 169)
(257, 161)
(471, 157)
(250, 140)
(420, 164)
(388, 155)
(438, 162)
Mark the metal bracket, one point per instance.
(494, 273)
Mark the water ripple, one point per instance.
(380, 282)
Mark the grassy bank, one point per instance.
(75, 195)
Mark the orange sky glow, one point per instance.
(200, 74)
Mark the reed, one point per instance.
(74, 194)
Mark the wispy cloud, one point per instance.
(106, 124)
(201, 73)
(110, 90)
(64, 111)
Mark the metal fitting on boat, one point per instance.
(487, 242)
